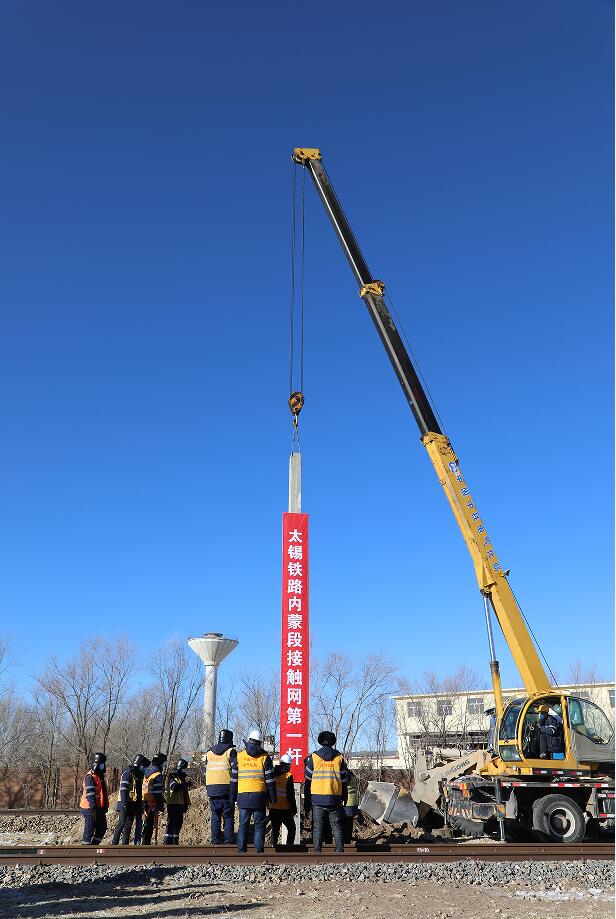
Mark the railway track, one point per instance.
(228, 855)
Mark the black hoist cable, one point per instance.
(292, 303)
(296, 397)
(303, 262)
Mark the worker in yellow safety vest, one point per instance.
(253, 784)
(325, 790)
(284, 809)
(178, 801)
(219, 762)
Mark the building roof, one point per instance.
(566, 687)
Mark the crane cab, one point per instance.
(583, 736)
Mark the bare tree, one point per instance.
(178, 684)
(581, 674)
(48, 751)
(136, 729)
(15, 730)
(347, 695)
(443, 719)
(115, 664)
(381, 728)
(229, 710)
(464, 680)
(88, 688)
(5, 661)
(74, 686)
(15, 726)
(258, 703)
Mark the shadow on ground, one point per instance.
(130, 896)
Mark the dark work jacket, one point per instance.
(328, 754)
(254, 800)
(553, 729)
(129, 776)
(156, 788)
(177, 789)
(221, 791)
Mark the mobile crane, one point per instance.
(555, 797)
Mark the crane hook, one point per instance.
(296, 404)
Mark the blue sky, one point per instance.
(144, 307)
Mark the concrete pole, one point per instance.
(295, 507)
(209, 705)
(295, 483)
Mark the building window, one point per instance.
(611, 695)
(474, 705)
(444, 708)
(582, 693)
(413, 709)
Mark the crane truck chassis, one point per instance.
(557, 797)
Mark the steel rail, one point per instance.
(39, 812)
(228, 855)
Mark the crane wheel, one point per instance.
(557, 818)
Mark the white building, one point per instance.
(369, 759)
(459, 720)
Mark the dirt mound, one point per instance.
(196, 828)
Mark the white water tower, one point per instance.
(212, 648)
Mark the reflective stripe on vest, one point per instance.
(101, 798)
(282, 801)
(218, 768)
(326, 778)
(250, 774)
(132, 789)
(352, 792)
(146, 785)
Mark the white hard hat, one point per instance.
(255, 735)
(285, 758)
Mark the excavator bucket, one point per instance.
(386, 803)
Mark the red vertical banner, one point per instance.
(295, 665)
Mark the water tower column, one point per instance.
(209, 705)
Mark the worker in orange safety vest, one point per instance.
(153, 791)
(94, 802)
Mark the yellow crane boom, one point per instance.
(491, 578)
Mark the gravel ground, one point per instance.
(31, 829)
(508, 890)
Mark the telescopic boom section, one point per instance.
(490, 576)
(371, 292)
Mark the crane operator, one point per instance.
(548, 733)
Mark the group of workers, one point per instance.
(246, 778)
(249, 779)
(142, 797)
